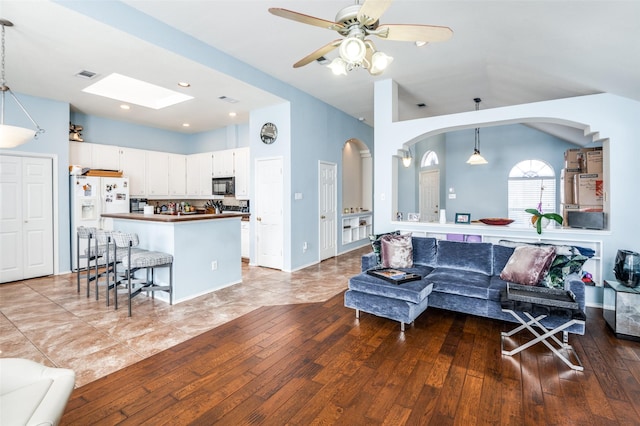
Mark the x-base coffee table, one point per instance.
(522, 301)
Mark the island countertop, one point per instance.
(172, 218)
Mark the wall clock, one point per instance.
(268, 133)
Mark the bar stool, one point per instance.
(91, 254)
(136, 259)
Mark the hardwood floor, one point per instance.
(315, 363)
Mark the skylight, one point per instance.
(138, 92)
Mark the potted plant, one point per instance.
(538, 215)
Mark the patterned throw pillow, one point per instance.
(528, 265)
(375, 243)
(396, 251)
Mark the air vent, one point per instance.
(228, 99)
(323, 61)
(421, 105)
(86, 74)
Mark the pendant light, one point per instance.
(476, 158)
(12, 136)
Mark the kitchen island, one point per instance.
(205, 249)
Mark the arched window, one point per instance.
(532, 184)
(429, 158)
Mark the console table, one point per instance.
(621, 309)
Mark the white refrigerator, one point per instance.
(90, 197)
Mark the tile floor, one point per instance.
(46, 320)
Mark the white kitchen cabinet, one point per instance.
(94, 155)
(205, 163)
(80, 154)
(105, 157)
(134, 166)
(223, 163)
(157, 174)
(177, 175)
(245, 244)
(193, 175)
(241, 167)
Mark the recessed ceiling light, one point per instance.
(125, 106)
(185, 124)
(138, 92)
(232, 114)
(421, 43)
(184, 84)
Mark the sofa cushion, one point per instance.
(501, 255)
(424, 251)
(476, 257)
(396, 251)
(455, 281)
(528, 265)
(412, 291)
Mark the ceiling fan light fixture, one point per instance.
(338, 66)
(12, 136)
(353, 50)
(379, 62)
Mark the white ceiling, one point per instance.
(506, 52)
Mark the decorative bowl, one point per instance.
(496, 221)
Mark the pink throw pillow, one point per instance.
(528, 265)
(396, 251)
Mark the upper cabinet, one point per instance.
(134, 166)
(205, 172)
(193, 175)
(241, 172)
(223, 163)
(94, 156)
(157, 173)
(177, 175)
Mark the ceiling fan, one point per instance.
(355, 23)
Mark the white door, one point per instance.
(26, 218)
(269, 213)
(328, 214)
(429, 196)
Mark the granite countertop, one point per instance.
(172, 218)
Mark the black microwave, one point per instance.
(224, 186)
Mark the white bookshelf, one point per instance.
(356, 227)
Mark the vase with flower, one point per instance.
(540, 219)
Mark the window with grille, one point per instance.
(429, 158)
(532, 184)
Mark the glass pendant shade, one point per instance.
(476, 159)
(12, 136)
(353, 50)
(338, 66)
(379, 62)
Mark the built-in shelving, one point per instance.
(356, 227)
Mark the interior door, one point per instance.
(328, 214)
(26, 217)
(269, 213)
(429, 195)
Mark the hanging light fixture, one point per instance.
(476, 158)
(12, 136)
(407, 157)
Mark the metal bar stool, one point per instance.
(91, 254)
(136, 259)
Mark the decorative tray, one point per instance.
(496, 221)
(542, 296)
(395, 276)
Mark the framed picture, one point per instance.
(413, 217)
(463, 218)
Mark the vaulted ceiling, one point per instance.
(505, 52)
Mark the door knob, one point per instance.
(323, 217)
(259, 219)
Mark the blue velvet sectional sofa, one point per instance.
(457, 276)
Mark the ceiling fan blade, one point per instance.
(319, 52)
(402, 32)
(371, 11)
(305, 19)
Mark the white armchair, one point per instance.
(33, 394)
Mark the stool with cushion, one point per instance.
(135, 259)
(86, 237)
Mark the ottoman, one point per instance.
(399, 302)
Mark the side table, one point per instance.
(621, 309)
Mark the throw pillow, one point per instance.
(528, 265)
(375, 243)
(561, 267)
(396, 251)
